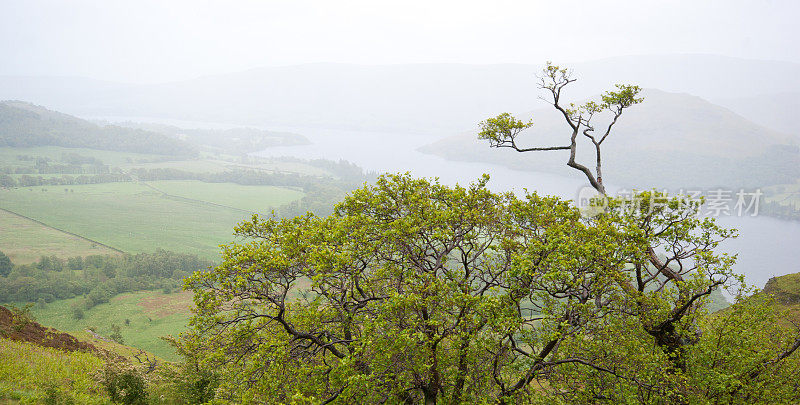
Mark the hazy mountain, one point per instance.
(434, 98)
(670, 140)
(776, 110)
(23, 125)
(711, 77)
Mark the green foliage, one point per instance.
(502, 128)
(186, 382)
(21, 316)
(124, 384)
(116, 334)
(414, 291)
(738, 359)
(624, 97)
(5, 265)
(99, 278)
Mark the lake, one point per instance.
(765, 246)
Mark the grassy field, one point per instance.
(135, 218)
(151, 314)
(29, 240)
(36, 374)
(8, 155)
(260, 199)
(192, 166)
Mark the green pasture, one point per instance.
(150, 315)
(25, 241)
(135, 218)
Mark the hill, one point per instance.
(432, 98)
(786, 288)
(669, 138)
(44, 365)
(25, 125)
(786, 292)
(18, 327)
(774, 110)
(240, 140)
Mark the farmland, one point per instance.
(74, 211)
(30, 240)
(133, 217)
(149, 314)
(61, 202)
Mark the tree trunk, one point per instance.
(430, 396)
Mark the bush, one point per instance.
(21, 317)
(124, 385)
(5, 265)
(55, 395)
(116, 334)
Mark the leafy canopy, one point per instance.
(412, 291)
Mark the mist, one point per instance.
(152, 41)
(365, 201)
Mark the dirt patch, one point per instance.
(16, 328)
(162, 305)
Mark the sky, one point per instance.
(143, 41)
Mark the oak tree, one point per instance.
(415, 292)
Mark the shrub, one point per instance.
(124, 384)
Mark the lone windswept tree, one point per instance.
(502, 131)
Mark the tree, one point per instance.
(502, 131)
(414, 292)
(666, 261)
(5, 265)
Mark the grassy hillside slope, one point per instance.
(786, 290)
(34, 374)
(143, 317)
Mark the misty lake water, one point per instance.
(765, 246)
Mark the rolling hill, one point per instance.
(25, 125)
(774, 110)
(428, 98)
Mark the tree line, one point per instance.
(97, 278)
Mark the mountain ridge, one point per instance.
(429, 98)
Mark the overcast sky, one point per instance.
(162, 40)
